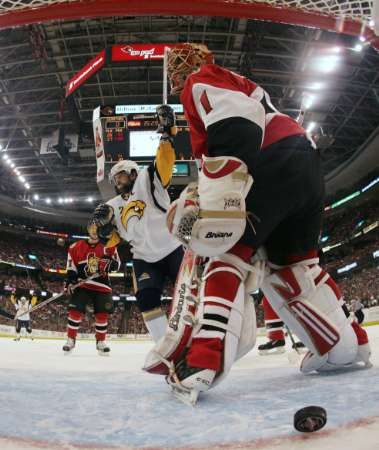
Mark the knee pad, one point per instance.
(148, 299)
(309, 302)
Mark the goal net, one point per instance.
(354, 17)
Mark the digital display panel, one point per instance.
(143, 144)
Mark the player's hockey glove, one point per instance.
(107, 265)
(103, 215)
(72, 278)
(166, 122)
(103, 220)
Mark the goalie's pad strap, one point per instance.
(227, 327)
(206, 214)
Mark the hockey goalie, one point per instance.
(260, 185)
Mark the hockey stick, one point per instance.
(292, 340)
(54, 297)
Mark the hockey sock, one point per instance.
(101, 326)
(273, 324)
(74, 321)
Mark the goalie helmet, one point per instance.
(126, 166)
(23, 299)
(184, 60)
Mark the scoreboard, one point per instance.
(129, 132)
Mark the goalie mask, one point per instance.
(184, 60)
(123, 176)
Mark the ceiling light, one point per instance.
(316, 86)
(362, 38)
(336, 49)
(327, 63)
(358, 47)
(48, 200)
(60, 200)
(311, 127)
(5, 157)
(12, 165)
(1, 147)
(17, 172)
(307, 101)
(372, 23)
(22, 179)
(8, 161)
(90, 199)
(27, 185)
(36, 197)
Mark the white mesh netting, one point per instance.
(358, 9)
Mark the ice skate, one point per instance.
(102, 348)
(68, 346)
(272, 347)
(17, 338)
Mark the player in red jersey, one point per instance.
(258, 166)
(85, 259)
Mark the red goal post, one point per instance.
(354, 17)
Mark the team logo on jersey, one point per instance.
(134, 208)
(92, 264)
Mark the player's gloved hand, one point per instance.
(103, 215)
(166, 122)
(68, 286)
(104, 266)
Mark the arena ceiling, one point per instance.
(297, 66)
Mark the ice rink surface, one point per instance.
(85, 401)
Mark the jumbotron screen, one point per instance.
(143, 144)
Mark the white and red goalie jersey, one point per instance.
(213, 94)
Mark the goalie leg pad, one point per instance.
(170, 347)
(308, 301)
(217, 323)
(226, 321)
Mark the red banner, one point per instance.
(88, 70)
(137, 52)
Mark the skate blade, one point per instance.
(103, 354)
(277, 351)
(188, 397)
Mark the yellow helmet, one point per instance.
(184, 59)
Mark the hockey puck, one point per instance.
(309, 419)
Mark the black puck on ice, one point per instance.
(309, 419)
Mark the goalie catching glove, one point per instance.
(211, 218)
